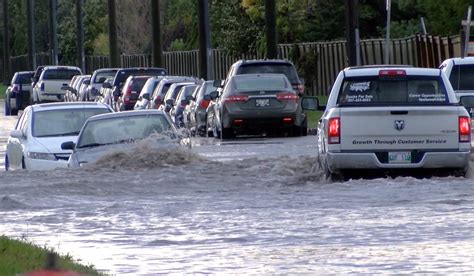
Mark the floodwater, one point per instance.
(249, 206)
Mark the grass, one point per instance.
(18, 256)
(2, 91)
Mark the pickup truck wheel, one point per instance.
(461, 172)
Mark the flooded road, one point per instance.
(254, 206)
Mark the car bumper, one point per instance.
(40, 164)
(428, 160)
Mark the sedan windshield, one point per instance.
(62, 122)
(114, 130)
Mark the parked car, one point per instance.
(274, 66)
(105, 97)
(17, 95)
(35, 143)
(97, 79)
(252, 103)
(130, 92)
(50, 82)
(195, 113)
(75, 90)
(146, 92)
(113, 90)
(157, 99)
(393, 118)
(460, 72)
(171, 94)
(180, 103)
(106, 132)
(71, 93)
(82, 88)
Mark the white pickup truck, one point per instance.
(393, 118)
(50, 82)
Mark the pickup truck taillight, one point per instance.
(334, 131)
(464, 129)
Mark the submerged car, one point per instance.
(35, 143)
(104, 133)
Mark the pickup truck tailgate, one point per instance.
(399, 128)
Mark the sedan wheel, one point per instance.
(7, 163)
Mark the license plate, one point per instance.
(262, 102)
(399, 157)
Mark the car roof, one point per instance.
(127, 113)
(262, 61)
(57, 67)
(374, 70)
(67, 105)
(459, 60)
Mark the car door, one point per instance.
(15, 145)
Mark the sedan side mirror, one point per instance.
(17, 134)
(68, 145)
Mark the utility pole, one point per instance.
(157, 47)
(387, 37)
(113, 45)
(205, 53)
(270, 24)
(352, 30)
(80, 36)
(31, 35)
(6, 43)
(53, 34)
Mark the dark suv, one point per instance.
(274, 66)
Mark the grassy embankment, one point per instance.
(18, 257)
(2, 91)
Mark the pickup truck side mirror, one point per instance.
(311, 104)
(218, 83)
(213, 95)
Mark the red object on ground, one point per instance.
(52, 273)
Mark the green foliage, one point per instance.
(180, 25)
(21, 256)
(101, 45)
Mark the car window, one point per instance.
(424, 90)
(122, 129)
(138, 84)
(100, 77)
(259, 83)
(277, 68)
(462, 77)
(60, 74)
(63, 122)
(24, 79)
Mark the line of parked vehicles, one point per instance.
(380, 117)
(257, 97)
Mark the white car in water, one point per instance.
(391, 118)
(35, 143)
(102, 134)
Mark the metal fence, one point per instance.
(326, 58)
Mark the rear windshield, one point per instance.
(138, 84)
(100, 77)
(260, 84)
(278, 68)
(408, 90)
(121, 76)
(22, 79)
(60, 74)
(462, 77)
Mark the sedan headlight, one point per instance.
(41, 155)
